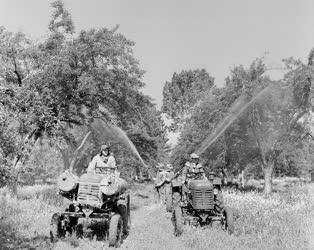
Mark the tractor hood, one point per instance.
(111, 185)
(91, 178)
(200, 184)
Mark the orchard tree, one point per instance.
(69, 80)
(245, 124)
(272, 119)
(182, 94)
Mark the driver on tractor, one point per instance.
(107, 163)
(193, 170)
(102, 160)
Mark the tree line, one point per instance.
(55, 92)
(269, 137)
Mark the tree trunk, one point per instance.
(14, 176)
(242, 179)
(18, 159)
(268, 177)
(13, 186)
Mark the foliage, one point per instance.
(183, 93)
(263, 135)
(68, 80)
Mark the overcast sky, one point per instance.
(172, 35)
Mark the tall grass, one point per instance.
(280, 221)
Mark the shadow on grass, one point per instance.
(98, 230)
(143, 196)
(245, 189)
(277, 187)
(134, 207)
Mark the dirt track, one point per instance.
(152, 229)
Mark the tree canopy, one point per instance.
(67, 81)
(182, 94)
(252, 120)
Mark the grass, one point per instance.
(280, 221)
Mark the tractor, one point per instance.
(95, 198)
(199, 203)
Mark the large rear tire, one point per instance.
(177, 221)
(115, 231)
(56, 230)
(229, 220)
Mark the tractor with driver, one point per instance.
(98, 196)
(198, 200)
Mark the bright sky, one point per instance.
(172, 35)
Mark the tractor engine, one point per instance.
(91, 189)
(201, 194)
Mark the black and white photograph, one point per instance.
(157, 125)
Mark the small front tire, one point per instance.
(56, 230)
(115, 231)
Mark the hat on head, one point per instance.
(104, 147)
(169, 166)
(194, 156)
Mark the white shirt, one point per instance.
(101, 161)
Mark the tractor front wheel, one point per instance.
(115, 231)
(56, 230)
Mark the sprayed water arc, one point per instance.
(117, 134)
(237, 109)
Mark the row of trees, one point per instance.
(261, 124)
(54, 91)
(81, 85)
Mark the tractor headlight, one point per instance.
(108, 189)
(108, 186)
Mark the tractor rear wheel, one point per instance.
(229, 220)
(56, 230)
(177, 221)
(115, 231)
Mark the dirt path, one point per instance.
(152, 229)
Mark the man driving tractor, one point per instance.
(102, 160)
(106, 161)
(193, 170)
